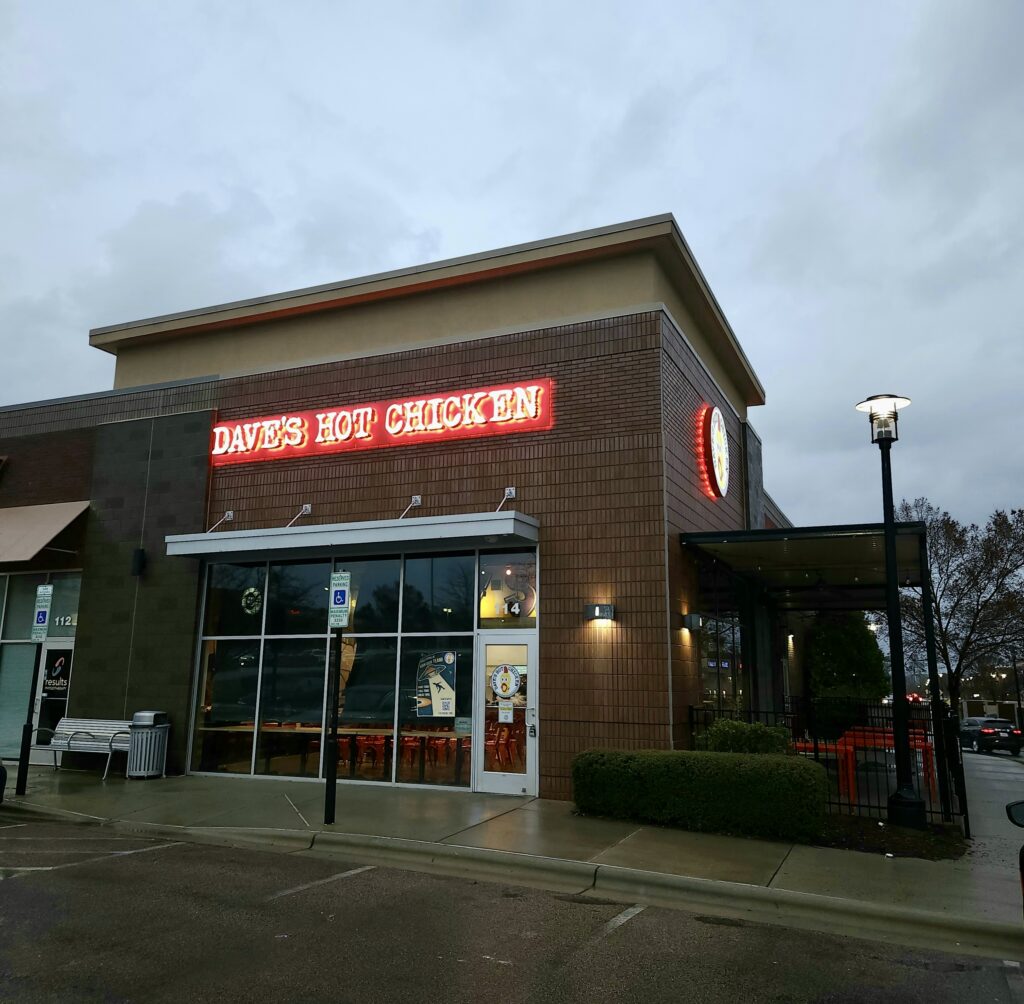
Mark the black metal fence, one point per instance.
(853, 741)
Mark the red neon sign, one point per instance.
(483, 411)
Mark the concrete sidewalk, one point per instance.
(971, 904)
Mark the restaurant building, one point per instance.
(501, 452)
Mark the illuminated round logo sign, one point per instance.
(505, 681)
(715, 452)
(252, 601)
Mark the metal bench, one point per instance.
(87, 735)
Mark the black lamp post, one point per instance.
(905, 807)
(1016, 684)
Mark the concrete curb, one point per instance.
(814, 912)
(64, 815)
(758, 904)
(250, 838)
(483, 863)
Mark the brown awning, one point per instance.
(26, 530)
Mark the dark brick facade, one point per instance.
(135, 644)
(612, 484)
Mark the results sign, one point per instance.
(483, 411)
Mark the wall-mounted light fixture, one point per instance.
(599, 612)
(693, 622)
(138, 561)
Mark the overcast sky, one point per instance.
(850, 177)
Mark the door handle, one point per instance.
(531, 723)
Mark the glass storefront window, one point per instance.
(435, 711)
(226, 709)
(3, 594)
(234, 600)
(21, 604)
(297, 598)
(16, 665)
(366, 708)
(374, 592)
(266, 641)
(67, 588)
(508, 590)
(721, 676)
(291, 707)
(438, 593)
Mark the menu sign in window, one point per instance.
(462, 414)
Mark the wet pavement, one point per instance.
(983, 885)
(87, 915)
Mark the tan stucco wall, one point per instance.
(495, 306)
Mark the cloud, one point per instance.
(895, 261)
(850, 184)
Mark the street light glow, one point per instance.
(881, 410)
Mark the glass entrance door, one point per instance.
(505, 732)
(51, 701)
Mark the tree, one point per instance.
(843, 658)
(977, 580)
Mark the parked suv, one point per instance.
(982, 735)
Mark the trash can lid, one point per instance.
(150, 718)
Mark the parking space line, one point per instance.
(44, 837)
(297, 813)
(13, 826)
(618, 920)
(324, 881)
(23, 870)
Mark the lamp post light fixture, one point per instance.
(906, 808)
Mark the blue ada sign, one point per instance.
(41, 620)
(341, 588)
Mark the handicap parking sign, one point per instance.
(41, 620)
(338, 610)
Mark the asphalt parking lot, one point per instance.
(90, 915)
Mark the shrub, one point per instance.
(725, 735)
(779, 797)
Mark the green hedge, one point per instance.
(779, 797)
(726, 735)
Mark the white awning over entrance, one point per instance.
(478, 529)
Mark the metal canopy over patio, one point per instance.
(811, 569)
(817, 567)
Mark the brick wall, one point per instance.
(612, 484)
(594, 482)
(136, 636)
(688, 509)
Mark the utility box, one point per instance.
(147, 744)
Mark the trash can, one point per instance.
(147, 744)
